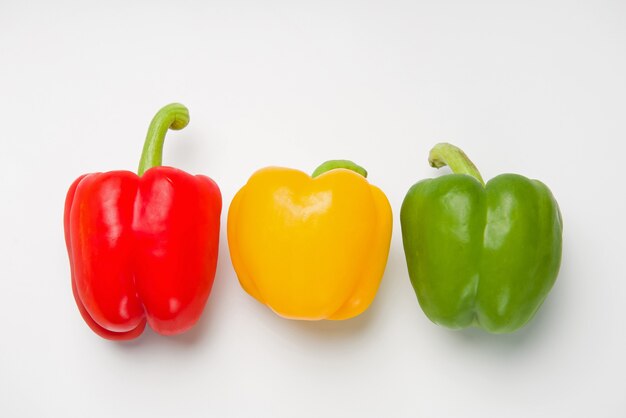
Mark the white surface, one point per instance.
(537, 88)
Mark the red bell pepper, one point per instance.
(143, 247)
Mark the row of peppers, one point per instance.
(143, 248)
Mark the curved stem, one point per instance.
(173, 116)
(333, 164)
(447, 154)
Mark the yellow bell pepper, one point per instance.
(310, 247)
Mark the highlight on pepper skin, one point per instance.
(310, 247)
(482, 255)
(143, 248)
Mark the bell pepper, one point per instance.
(483, 255)
(143, 247)
(310, 247)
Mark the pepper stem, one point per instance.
(333, 164)
(447, 154)
(173, 116)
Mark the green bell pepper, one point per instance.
(480, 255)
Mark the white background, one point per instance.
(533, 87)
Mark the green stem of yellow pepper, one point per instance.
(333, 164)
(447, 154)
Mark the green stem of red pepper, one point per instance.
(333, 164)
(447, 154)
(173, 116)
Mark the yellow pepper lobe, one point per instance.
(310, 248)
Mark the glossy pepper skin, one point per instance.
(480, 255)
(310, 248)
(143, 247)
